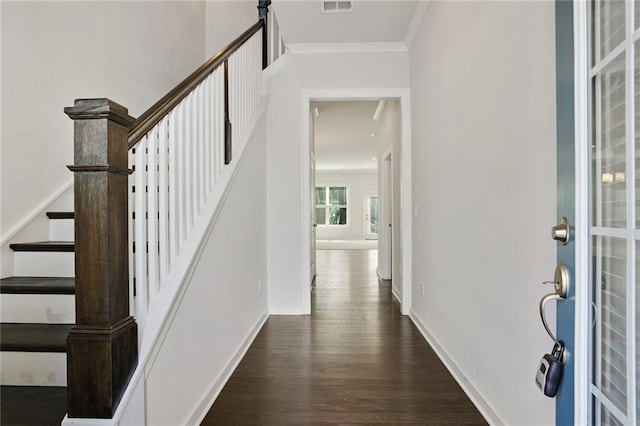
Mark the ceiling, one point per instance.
(370, 21)
(343, 128)
(343, 135)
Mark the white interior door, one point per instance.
(385, 231)
(371, 215)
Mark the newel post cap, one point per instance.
(94, 109)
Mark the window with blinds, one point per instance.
(615, 174)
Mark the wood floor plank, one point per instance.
(355, 359)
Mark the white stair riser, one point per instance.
(44, 264)
(33, 369)
(38, 308)
(61, 230)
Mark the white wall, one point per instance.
(225, 302)
(483, 128)
(284, 192)
(55, 52)
(358, 184)
(226, 20)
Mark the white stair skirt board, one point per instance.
(38, 308)
(44, 264)
(61, 230)
(33, 369)
(347, 244)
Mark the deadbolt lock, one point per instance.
(561, 232)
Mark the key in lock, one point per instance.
(550, 369)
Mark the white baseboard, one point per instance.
(396, 296)
(209, 398)
(472, 392)
(380, 275)
(346, 244)
(285, 311)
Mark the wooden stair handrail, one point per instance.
(153, 115)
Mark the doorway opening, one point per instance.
(345, 146)
(344, 187)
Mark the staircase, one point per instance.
(189, 145)
(37, 312)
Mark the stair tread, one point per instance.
(32, 405)
(49, 246)
(25, 337)
(37, 285)
(60, 215)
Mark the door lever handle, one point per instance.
(561, 287)
(543, 316)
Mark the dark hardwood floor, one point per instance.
(356, 359)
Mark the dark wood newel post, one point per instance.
(102, 348)
(263, 10)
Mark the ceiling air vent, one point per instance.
(336, 6)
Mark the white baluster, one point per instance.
(181, 153)
(207, 136)
(188, 163)
(152, 213)
(257, 72)
(236, 97)
(130, 236)
(243, 80)
(215, 127)
(163, 203)
(201, 144)
(250, 73)
(219, 114)
(173, 186)
(140, 178)
(271, 40)
(232, 95)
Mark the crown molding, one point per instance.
(302, 48)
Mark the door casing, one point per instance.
(581, 226)
(385, 233)
(403, 94)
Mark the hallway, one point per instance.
(356, 359)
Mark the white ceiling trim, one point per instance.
(301, 48)
(416, 21)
